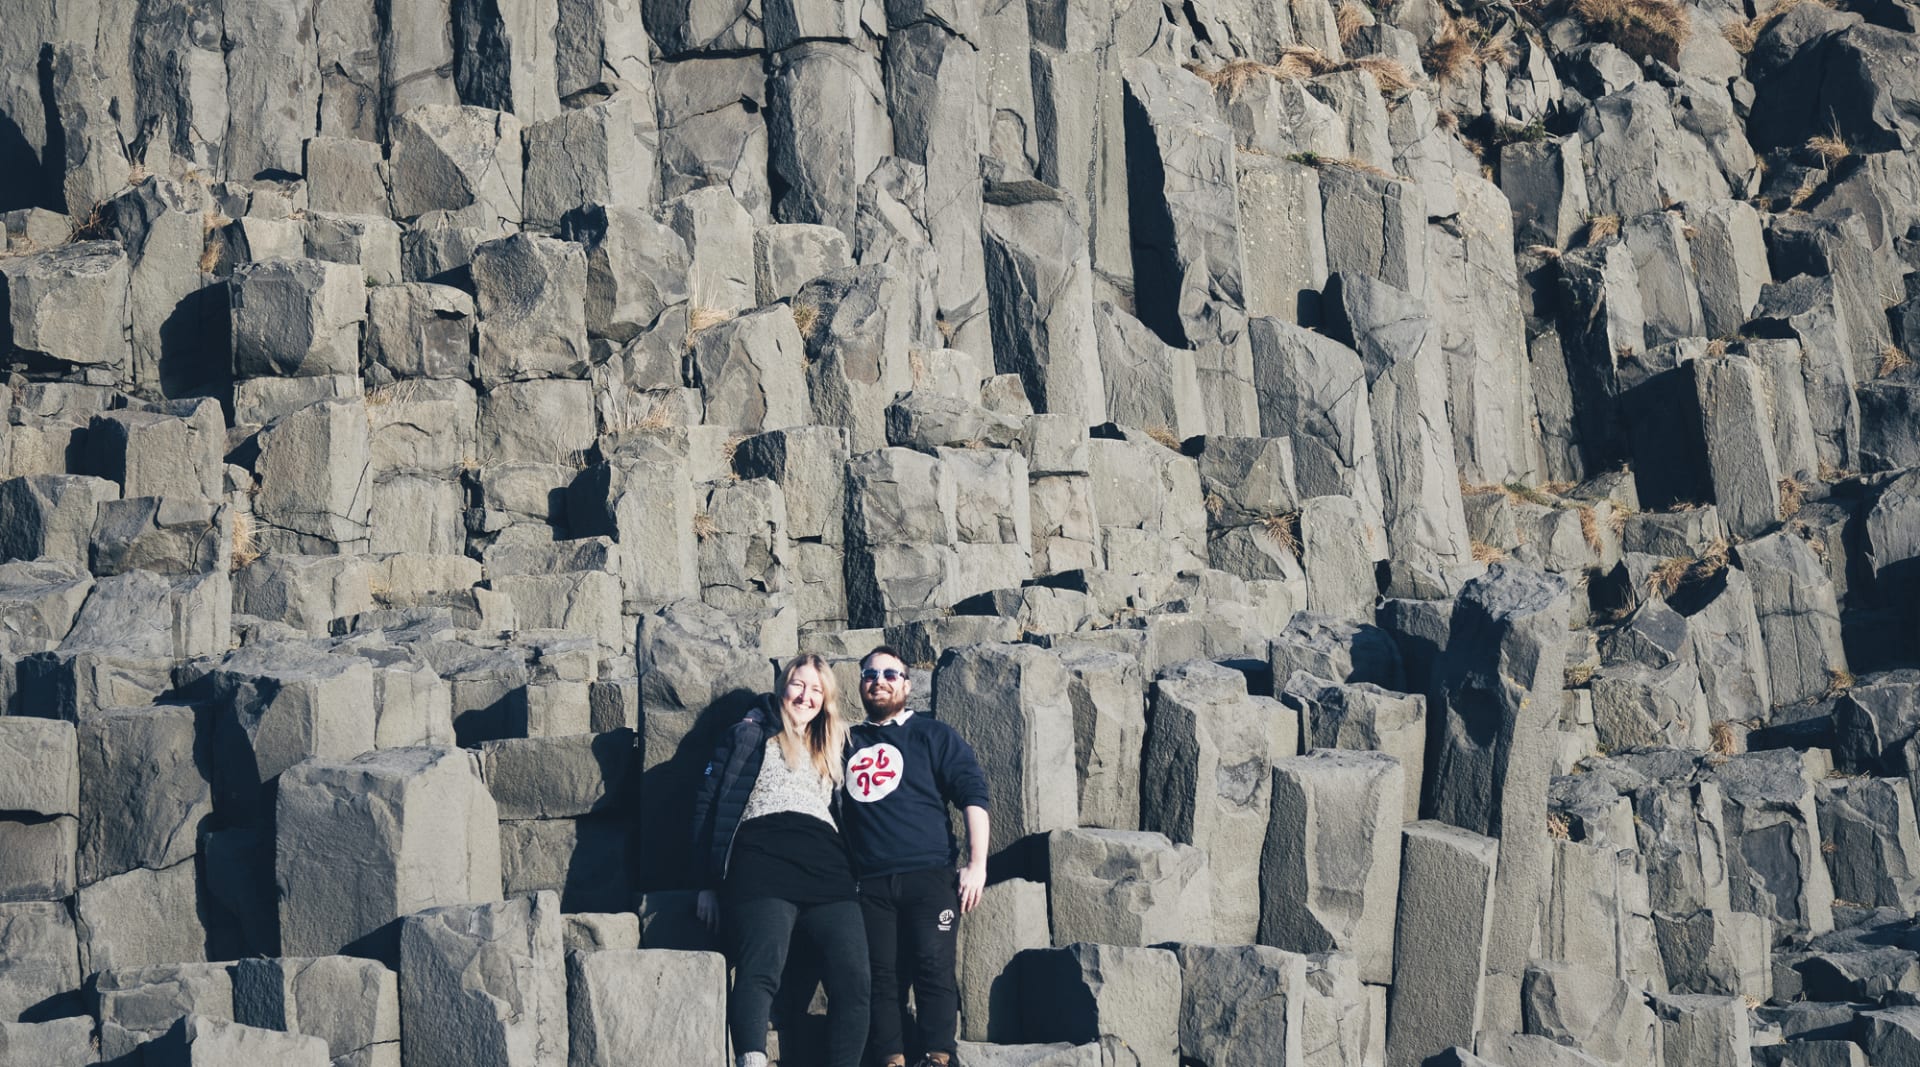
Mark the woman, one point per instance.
(765, 832)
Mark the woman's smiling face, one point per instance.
(804, 696)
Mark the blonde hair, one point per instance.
(826, 734)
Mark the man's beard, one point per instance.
(887, 709)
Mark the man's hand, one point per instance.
(973, 877)
(973, 882)
(706, 907)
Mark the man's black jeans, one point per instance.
(760, 931)
(913, 920)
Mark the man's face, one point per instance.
(884, 686)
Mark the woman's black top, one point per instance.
(789, 855)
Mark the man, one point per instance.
(903, 772)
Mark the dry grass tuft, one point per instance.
(1665, 579)
(1164, 435)
(1644, 29)
(1348, 20)
(91, 227)
(1579, 675)
(1296, 62)
(1497, 50)
(1486, 553)
(1353, 163)
(805, 318)
(1283, 530)
(1303, 61)
(1744, 35)
(1713, 559)
(1803, 192)
(658, 417)
(1893, 359)
(705, 318)
(1522, 493)
(1717, 347)
(1839, 680)
(404, 391)
(1453, 52)
(1830, 147)
(210, 224)
(1391, 74)
(1234, 76)
(1723, 740)
(728, 451)
(636, 412)
(1558, 828)
(1216, 506)
(1601, 227)
(1793, 493)
(1590, 528)
(246, 547)
(704, 526)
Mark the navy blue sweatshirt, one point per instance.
(900, 778)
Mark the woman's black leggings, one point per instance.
(760, 931)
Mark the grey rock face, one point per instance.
(1501, 677)
(51, 516)
(994, 943)
(1447, 889)
(1213, 1029)
(465, 160)
(1039, 289)
(143, 791)
(297, 317)
(1009, 702)
(1206, 780)
(533, 319)
(1196, 252)
(420, 826)
(1176, 386)
(1307, 389)
(1125, 887)
(1799, 619)
(42, 957)
(70, 303)
(829, 128)
(1123, 999)
(1594, 1012)
(351, 1004)
(280, 705)
(616, 1013)
(1331, 865)
(485, 982)
(1363, 717)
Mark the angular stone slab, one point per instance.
(1330, 868)
(1126, 887)
(485, 983)
(367, 841)
(1440, 940)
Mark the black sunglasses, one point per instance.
(873, 675)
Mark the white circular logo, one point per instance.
(873, 772)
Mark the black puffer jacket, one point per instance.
(725, 787)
